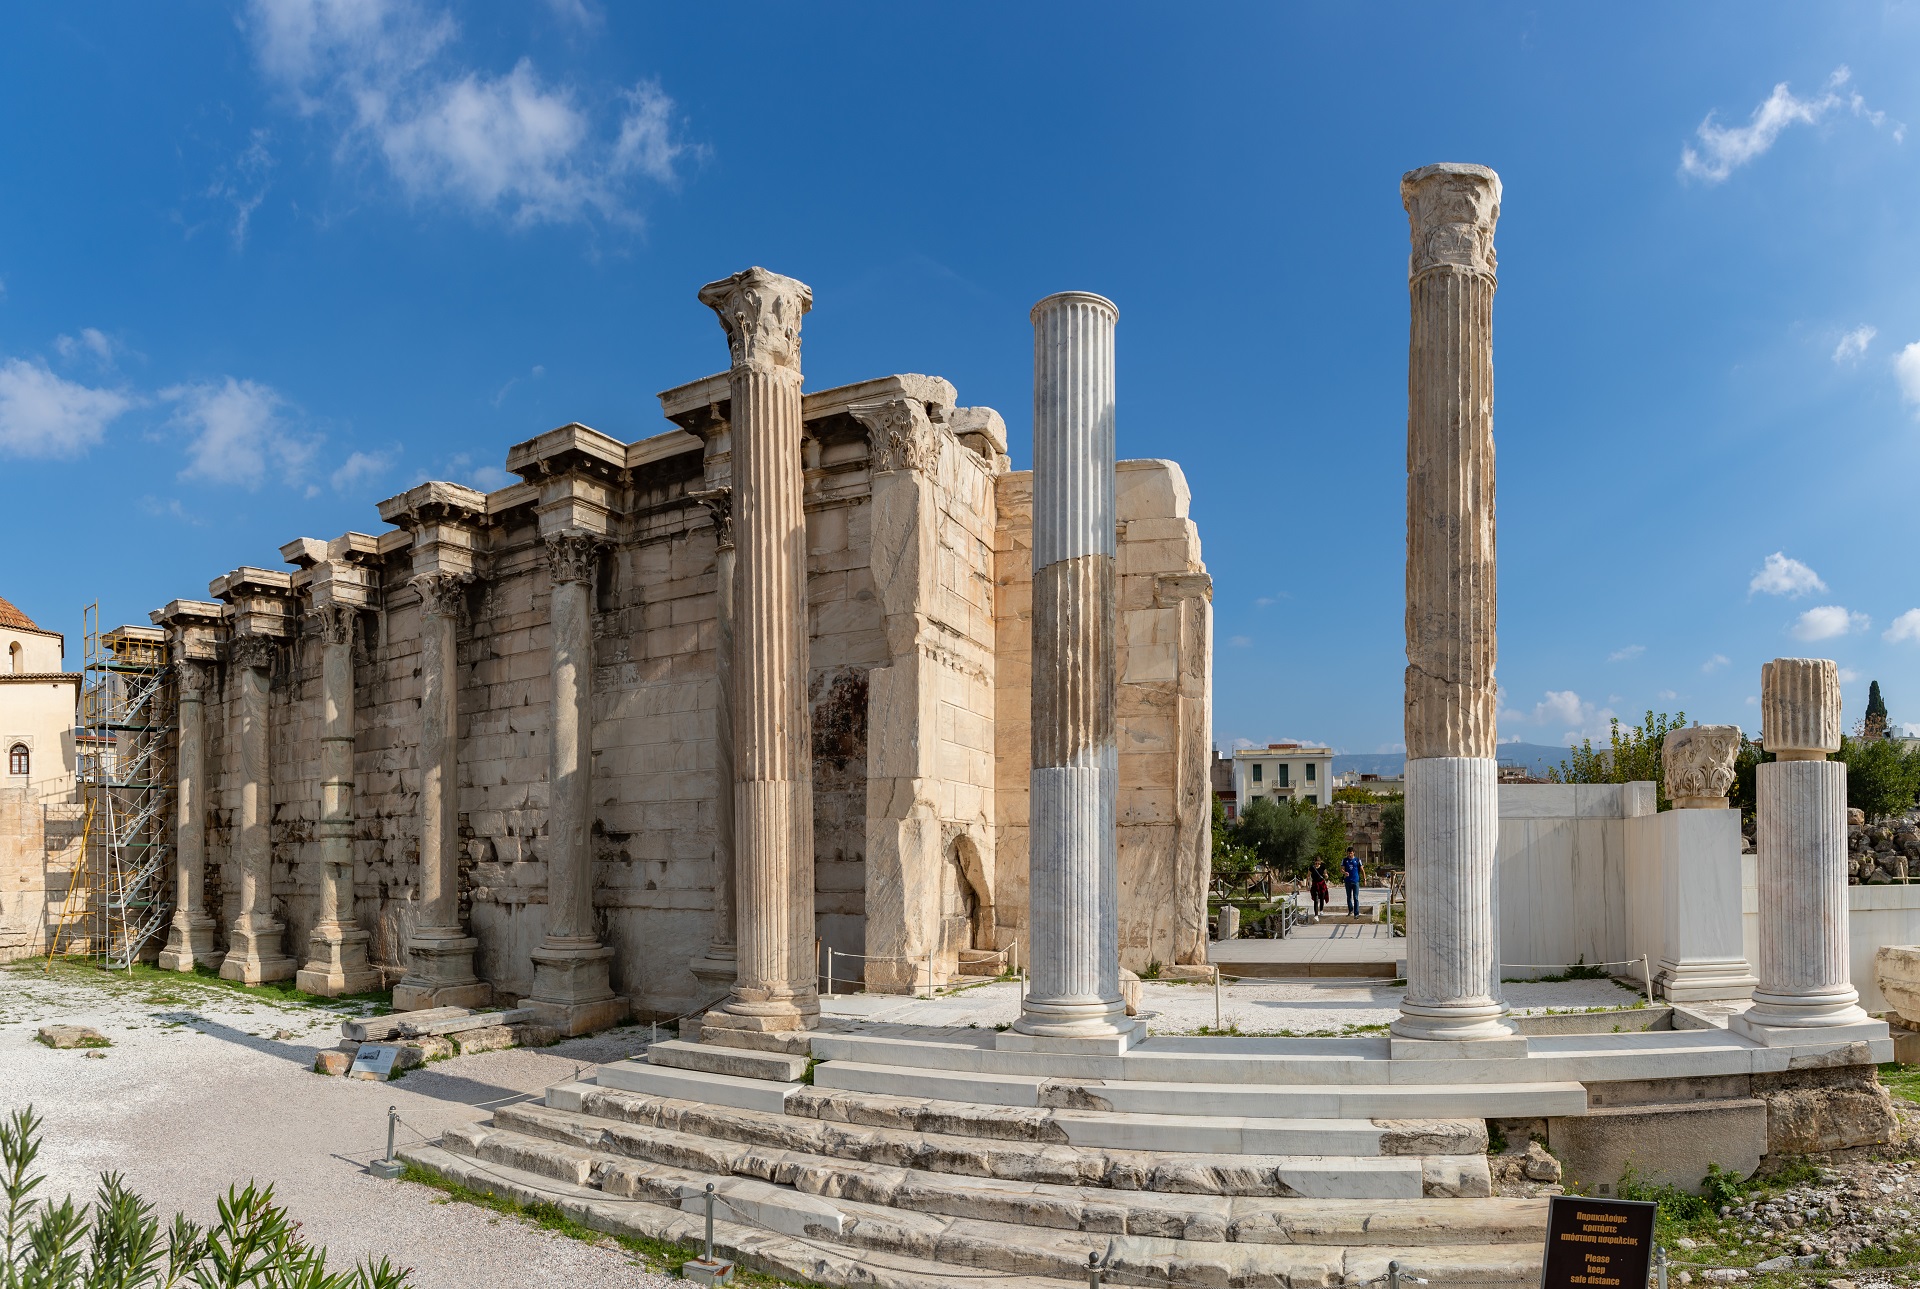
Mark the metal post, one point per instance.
(709, 1221)
(829, 971)
(1646, 974)
(1393, 1275)
(1093, 1271)
(388, 1167)
(1216, 997)
(1660, 1265)
(393, 1118)
(929, 973)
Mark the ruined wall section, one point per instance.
(1012, 698)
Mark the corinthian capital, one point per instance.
(899, 433)
(1698, 762)
(252, 652)
(571, 556)
(761, 312)
(1452, 210)
(335, 622)
(442, 595)
(191, 680)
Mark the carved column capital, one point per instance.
(1452, 210)
(252, 652)
(899, 434)
(442, 595)
(191, 680)
(1800, 708)
(761, 313)
(571, 556)
(335, 623)
(719, 506)
(1698, 764)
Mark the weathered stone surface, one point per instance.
(1433, 1136)
(334, 1063)
(1800, 708)
(1698, 763)
(491, 1038)
(1839, 1108)
(418, 1051)
(1896, 968)
(535, 1034)
(1662, 1143)
(72, 1036)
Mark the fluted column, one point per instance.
(440, 952)
(1801, 836)
(1073, 879)
(1453, 976)
(255, 949)
(774, 986)
(336, 947)
(719, 961)
(571, 968)
(190, 937)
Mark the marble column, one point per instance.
(255, 952)
(190, 938)
(774, 986)
(1453, 973)
(571, 968)
(440, 952)
(1073, 881)
(718, 963)
(336, 947)
(1801, 836)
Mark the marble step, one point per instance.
(695, 1085)
(1335, 1060)
(1272, 1101)
(724, 1139)
(1016, 1247)
(741, 1063)
(811, 1260)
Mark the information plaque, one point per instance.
(1597, 1243)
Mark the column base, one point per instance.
(571, 987)
(1474, 1024)
(767, 1010)
(1861, 1028)
(1082, 1018)
(337, 962)
(440, 972)
(1698, 980)
(1130, 1034)
(254, 955)
(189, 943)
(1802, 1011)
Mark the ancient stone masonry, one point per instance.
(194, 631)
(650, 727)
(1698, 761)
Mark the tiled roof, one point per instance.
(12, 617)
(6, 676)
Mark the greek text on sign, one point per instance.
(1597, 1243)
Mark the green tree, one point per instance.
(1882, 776)
(1393, 833)
(1331, 844)
(1233, 862)
(1746, 762)
(1875, 724)
(1282, 833)
(1633, 755)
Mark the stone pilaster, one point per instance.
(718, 964)
(774, 986)
(1801, 836)
(571, 968)
(190, 936)
(1453, 976)
(255, 942)
(1074, 784)
(440, 952)
(336, 947)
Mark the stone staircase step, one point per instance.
(740, 1063)
(792, 1042)
(698, 1085)
(1336, 1060)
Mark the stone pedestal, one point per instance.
(1684, 870)
(572, 987)
(336, 948)
(1801, 837)
(440, 952)
(1073, 868)
(1453, 974)
(774, 986)
(256, 950)
(190, 935)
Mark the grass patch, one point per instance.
(649, 1253)
(1903, 1081)
(44, 1041)
(1232, 1030)
(177, 988)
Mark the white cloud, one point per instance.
(1724, 149)
(1905, 628)
(1666, 695)
(361, 468)
(1854, 344)
(515, 145)
(1847, 675)
(242, 183)
(91, 342)
(1783, 576)
(1565, 709)
(1240, 642)
(1829, 621)
(1906, 369)
(237, 434)
(42, 415)
(1715, 663)
(1627, 654)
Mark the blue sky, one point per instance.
(264, 263)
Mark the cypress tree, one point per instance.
(1875, 725)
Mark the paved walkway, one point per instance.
(1332, 947)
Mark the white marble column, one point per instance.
(1073, 890)
(336, 947)
(440, 952)
(1801, 835)
(1453, 970)
(718, 963)
(774, 986)
(190, 937)
(255, 941)
(571, 968)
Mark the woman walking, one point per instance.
(1318, 874)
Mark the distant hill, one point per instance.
(1538, 758)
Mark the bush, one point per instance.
(1634, 755)
(1882, 776)
(116, 1243)
(1393, 833)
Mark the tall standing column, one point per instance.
(440, 952)
(190, 938)
(774, 985)
(1073, 876)
(336, 948)
(571, 968)
(719, 961)
(1801, 835)
(1453, 977)
(255, 952)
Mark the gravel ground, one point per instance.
(206, 1086)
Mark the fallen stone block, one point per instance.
(335, 1063)
(492, 1038)
(414, 1024)
(534, 1033)
(373, 1029)
(416, 1052)
(64, 1036)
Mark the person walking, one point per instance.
(1350, 870)
(1317, 876)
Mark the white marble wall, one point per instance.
(1561, 870)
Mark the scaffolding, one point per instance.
(120, 896)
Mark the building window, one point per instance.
(17, 759)
(1309, 772)
(14, 655)
(1282, 780)
(1256, 772)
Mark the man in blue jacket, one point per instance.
(1350, 870)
